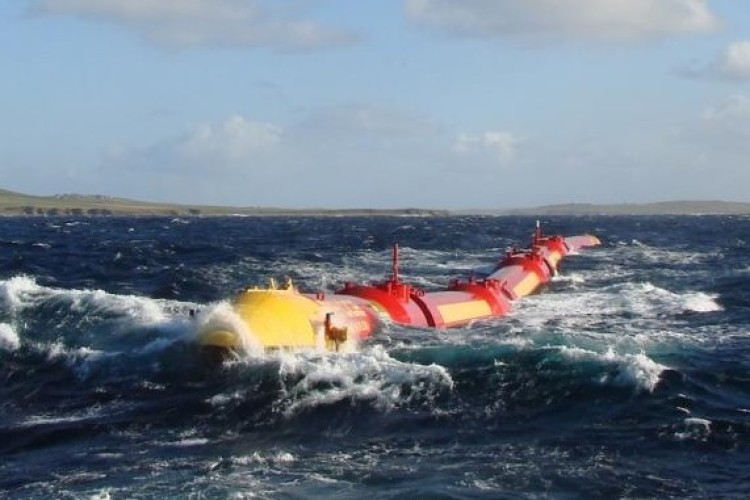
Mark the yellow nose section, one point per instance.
(274, 318)
(278, 318)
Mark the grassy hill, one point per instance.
(658, 208)
(12, 203)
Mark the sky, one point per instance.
(453, 104)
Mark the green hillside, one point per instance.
(12, 203)
(658, 208)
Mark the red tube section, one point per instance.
(517, 274)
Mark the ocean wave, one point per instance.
(22, 292)
(256, 458)
(693, 428)
(92, 319)
(9, 339)
(640, 300)
(313, 380)
(610, 368)
(221, 316)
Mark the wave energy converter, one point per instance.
(284, 318)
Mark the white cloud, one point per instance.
(730, 121)
(354, 155)
(235, 161)
(368, 118)
(735, 62)
(500, 145)
(341, 136)
(233, 146)
(234, 140)
(732, 64)
(365, 155)
(712, 150)
(569, 19)
(188, 23)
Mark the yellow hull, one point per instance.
(287, 319)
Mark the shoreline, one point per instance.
(17, 204)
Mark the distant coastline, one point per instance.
(683, 207)
(19, 204)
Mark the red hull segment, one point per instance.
(519, 273)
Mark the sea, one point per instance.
(627, 376)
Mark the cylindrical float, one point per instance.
(285, 318)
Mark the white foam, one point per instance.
(81, 360)
(698, 422)
(701, 302)
(630, 369)
(255, 458)
(9, 339)
(575, 278)
(15, 291)
(280, 457)
(698, 429)
(35, 420)
(101, 495)
(85, 414)
(57, 350)
(221, 316)
(636, 369)
(127, 318)
(618, 305)
(22, 292)
(311, 380)
(284, 457)
(322, 479)
(665, 255)
(222, 400)
(187, 442)
(142, 309)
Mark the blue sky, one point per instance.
(453, 104)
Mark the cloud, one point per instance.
(190, 23)
(351, 155)
(728, 123)
(231, 146)
(367, 155)
(369, 118)
(733, 64)
(234, 140)
(714, 146)
(564, 19)
(324, 136)
(711, 151)
(499, 145)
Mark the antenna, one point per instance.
(537, 233)
(394, 264)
